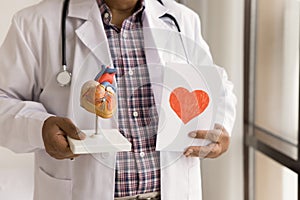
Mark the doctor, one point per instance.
(36, 113)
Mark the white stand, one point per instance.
(110, 140)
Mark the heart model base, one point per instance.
(188, 105)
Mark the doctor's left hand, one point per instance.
(220, 143)
(55, 131)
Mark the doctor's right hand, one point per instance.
(55, 131)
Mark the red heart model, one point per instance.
(188, 105)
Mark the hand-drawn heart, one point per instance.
(188, 105)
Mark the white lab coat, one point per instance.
(30, 58)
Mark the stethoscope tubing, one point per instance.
(63, 35)
(63, 31)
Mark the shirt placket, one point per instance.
(135, 170)
(135, 79)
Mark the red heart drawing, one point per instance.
(188, 105)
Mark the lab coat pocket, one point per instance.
(195, 190)
(53, 188)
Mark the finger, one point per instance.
(62, 149)
(189, 152)
(212, 150)
(61, 146)
(61, 157)
(58, 154)
(199, 151)
(218, 126)
(71, 157)
(216, 151)
(70, 129)
(213, 135)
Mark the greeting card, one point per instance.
(189, 102)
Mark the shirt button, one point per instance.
(135, 114)
(106, 15)
(125, 35)
(130, 72)
(142, 154)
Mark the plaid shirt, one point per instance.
(138, 171)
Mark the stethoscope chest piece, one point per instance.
(64, 77)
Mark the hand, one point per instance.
(220, 143)
(55, 131)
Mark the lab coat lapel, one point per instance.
(156, 34)
(101, 166)
(159, 34)
(91, 32)
(153, 27)
(92, 35)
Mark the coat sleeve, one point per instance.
(21, 115)
(227, 100)
(226, 103)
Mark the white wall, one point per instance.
(16, 170)
(222, 26)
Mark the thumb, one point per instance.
(69, 128)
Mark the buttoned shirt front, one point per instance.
(138, 171)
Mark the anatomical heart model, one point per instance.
(99, 95)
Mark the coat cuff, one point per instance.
(35, 125)
(226, 118)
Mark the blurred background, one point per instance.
(257, 42)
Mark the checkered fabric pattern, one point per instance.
(138, 171)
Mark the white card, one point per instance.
(188, 103)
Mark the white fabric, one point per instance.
(30, 58)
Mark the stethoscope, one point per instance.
(64, 77)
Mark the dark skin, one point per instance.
(220, 143)
(56, 129)
(121, 10)
(55, 132)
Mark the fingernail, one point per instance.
(188, 152)
(193, 134)
(81, 135)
